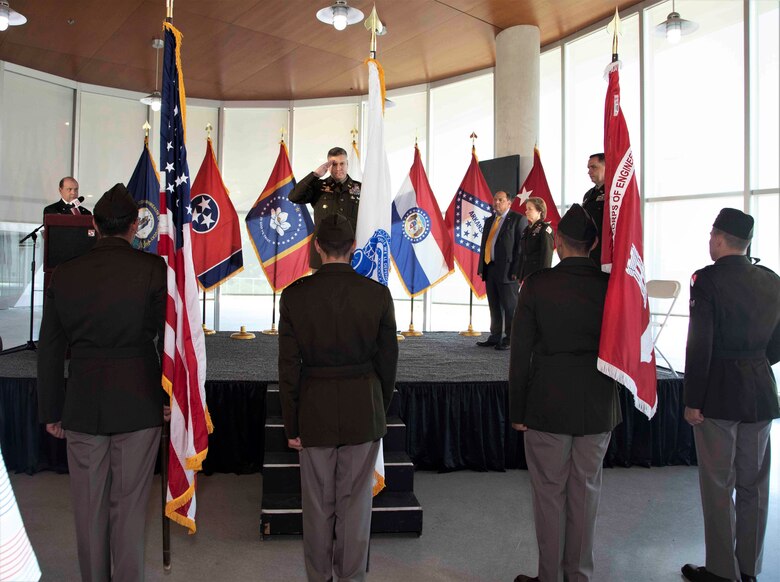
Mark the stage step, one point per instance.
(392, 512)
(273, 405)
(276, 440)
(281, 473)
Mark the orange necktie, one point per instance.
(489, 242)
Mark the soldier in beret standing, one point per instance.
(337, 363)
(108, 308)
(336, 194)
(731, 398)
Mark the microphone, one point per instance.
(77, 202)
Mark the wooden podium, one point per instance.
(65, 237)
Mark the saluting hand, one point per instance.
(693, 416)
(321, 170)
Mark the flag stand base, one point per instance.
(399, 337)
(470, 332)
(272, 331)
(243, 334)
(207, 331)
(411, 332)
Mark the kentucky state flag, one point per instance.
(422, 249)
(280, 231)
(216, 232)
(144, 185)
(372, 234)
(471, 206)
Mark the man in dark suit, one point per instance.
(593, 201)
(564, 405)
(500, 261)
(69, 202)
(337, 363)
(731, 398)
(108, 308)
(336, 194)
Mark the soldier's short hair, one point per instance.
(335, 248)
(733, 242)
(337, 151)
(599, 155)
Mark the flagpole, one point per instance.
(273, 330)
(206, 330)
(470, 331)
(411, 332)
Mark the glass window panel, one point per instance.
(111, 138)
(197, 118)
(765, 94)
(550, 120)
(37, 132)
(458, 109)
(316, 129)
(586, 89)
(694, 102)
(766, 234)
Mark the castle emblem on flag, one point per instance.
(205, 213)
(148, 224)
(374, 258)
(416, 225)
(470, 216)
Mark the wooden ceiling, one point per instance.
(277, 49)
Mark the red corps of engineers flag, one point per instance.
(626, 349)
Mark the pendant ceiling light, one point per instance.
(154, 99)
(9, 17)
(340, 15)
(674, 27)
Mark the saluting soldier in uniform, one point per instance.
(565, 406)
(731, 398)
(337, 364)
(593, 201)
(336, 194)
(537, 239)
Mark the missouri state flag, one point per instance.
(626, 347)
(421, 247)
(471, 206)
(536, 185)
(216, 231)
(144, 185)
(280, 231)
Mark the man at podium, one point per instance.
(70, 201)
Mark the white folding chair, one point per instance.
(662, 289)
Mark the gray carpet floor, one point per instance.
(477, 527)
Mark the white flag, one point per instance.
(372, 255)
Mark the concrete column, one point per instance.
(516, 94)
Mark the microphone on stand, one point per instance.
(77, 202)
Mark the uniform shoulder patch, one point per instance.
(549, 229)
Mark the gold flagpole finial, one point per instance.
(146, 127)
(169, 10)
(473, 138)
(415, 137)
(281, 134)
(354, 133)
(375, 27)
(613, 28)
(209, 129)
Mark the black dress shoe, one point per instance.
(524, 578)
(700, 574)
(502, 347)
(487, 343)
(748, 578)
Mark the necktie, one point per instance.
(489, 242)
(74, 210)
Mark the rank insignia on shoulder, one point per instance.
(693, 303)
(693, 279)
(600, 198)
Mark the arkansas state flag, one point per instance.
(421, 245)
(279, 230)
(216, 240)
(144, 185)
(536, 185)
(471, 206)
(626, 348)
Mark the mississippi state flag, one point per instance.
(216, 232)
(372, 233)
(280, 231)
(422, 249)
(144, 185)
(471, 206)
(626, 348)
(536, 185)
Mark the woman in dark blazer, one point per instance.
(537, 238)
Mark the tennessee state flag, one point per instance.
(626, 347)
(280, 231)
(421, 247)
(471, 206)
(216, 233)
(536, 185)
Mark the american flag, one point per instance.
(184, 358)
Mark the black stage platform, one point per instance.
(452, 397)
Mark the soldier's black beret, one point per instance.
(116, 203)
(335, 228)
(578, 225)
(735, 222)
